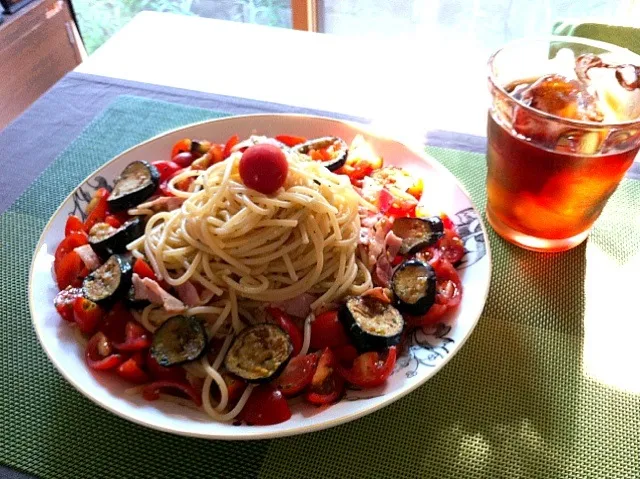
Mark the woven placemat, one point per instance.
(517, 401)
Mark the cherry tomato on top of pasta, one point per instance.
(263, 168)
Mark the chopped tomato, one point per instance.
(73, 225)
(447, 223)
(87, 314)
(297, 375)
(231, 142)
(370, 369)
(327, 331)
(180, 147)
(266, 406)
(63, 302)
(143, 269)
(283, 320)
(151, 392)
(216, 152)
(99, 354)
(113, 221)
(290, 140)
(395, 206)
(70, 271)
(379, 293)
(131, 370)
(97, 208)
(136, 338)
(166, 169)
(326, 385)
(164, 373)
(71, 242)
(263, 168)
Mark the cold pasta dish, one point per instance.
(239, 276)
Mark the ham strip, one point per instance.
(392, 244)
(300, 306)
(188, 294)
(162, 203)
(146, 288)
(88, 256)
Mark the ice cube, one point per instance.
(560, 96)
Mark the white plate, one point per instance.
(430, 350)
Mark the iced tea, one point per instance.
(557, 149)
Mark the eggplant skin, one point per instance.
(249, 341)
(115, 291)
(365, 340)
(409, 272)
(333, 164)
(168, 347)
(117, 242)
(123, 200)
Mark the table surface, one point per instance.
(405, 85)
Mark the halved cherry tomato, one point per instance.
(297, 375)
(113, 221)
(131, 370)
(97, 208)
(151, 392)
(73, 225)
(136, 338)
(326, 385)
(235, 386)
(183, 159)
(71, 242)
(99, 354)
(143, 269)
(283, 320)
(216, 152)
(265, 406)
(231, 142)
(448, 295)
(451, 246)
(327, 331)
(166, 169)
(181, 146)
(115, 322)
(63, 302)
(369, 369)
(87, 315)
(263, 168)
(163, 373)
(346, 354)
(290, 140)
(70, 271)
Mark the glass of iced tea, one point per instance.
(563, 128)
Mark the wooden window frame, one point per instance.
(304, 15)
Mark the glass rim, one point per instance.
(549, 116)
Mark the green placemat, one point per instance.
(516, 401)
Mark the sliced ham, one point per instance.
(88, 256)
(392, 244)
(146, 288)
(162, 203)
(188, 294)
(382, 272)
(300, 306)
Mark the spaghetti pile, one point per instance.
(245, 249)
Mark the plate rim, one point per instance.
(258, 434)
